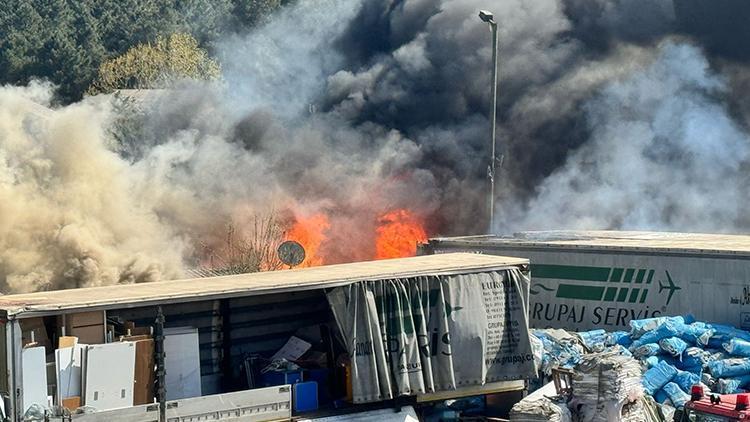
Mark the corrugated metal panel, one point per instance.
(245, 284)
(621, 240)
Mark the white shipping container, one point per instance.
(603, 279)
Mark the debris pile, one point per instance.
(671, 355)
(541, 406)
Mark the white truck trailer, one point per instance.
(406, 330)
(584, 280)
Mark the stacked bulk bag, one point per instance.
(605, 382)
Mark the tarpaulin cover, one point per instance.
(673, 345)
(676, 395)
(738, 347)
(403, 334)
(658, 376)
(729, 368)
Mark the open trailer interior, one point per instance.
(271, 346)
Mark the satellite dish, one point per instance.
(291, 253)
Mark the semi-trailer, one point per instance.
(584, 280)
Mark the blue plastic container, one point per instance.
(272, 378)
(305, 396)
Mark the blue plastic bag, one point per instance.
(738, 347)
(732, 385)
(729, 368)
(646, 350)
(686, 380)
(665, 330)
(594, 340)
(673, 345)
(725, 333)
(661, 396)
(657, 377)
(697, 333)
(676, 395)
(641, 326)
(619, 337)
(695, 357)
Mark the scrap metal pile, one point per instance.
(665, 356)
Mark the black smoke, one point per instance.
(613, 114)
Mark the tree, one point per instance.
(156, 65)
(53, 39)
(250, 13)
(250, 251)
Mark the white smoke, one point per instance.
(70, 214)
(664, 154)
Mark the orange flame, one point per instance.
(310, 233)
(398, 233)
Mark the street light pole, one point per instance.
(488, 17)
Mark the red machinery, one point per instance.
(715, 407)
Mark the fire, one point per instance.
(397, 234)
(310, 232)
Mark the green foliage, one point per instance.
(66, 41)
(156, 65)
(52, 39)
(249, 13)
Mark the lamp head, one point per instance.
(486, 16)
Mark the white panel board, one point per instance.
(109, 375)
(68, 368)
(34, 377)
(260, 405)
(182, 362)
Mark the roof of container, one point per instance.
(124, 296)
(632, 240)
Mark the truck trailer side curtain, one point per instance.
(410, 336)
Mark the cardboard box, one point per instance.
(93, 334)
(83, 319)
(67, 341)
(71, 403)
(89, 327)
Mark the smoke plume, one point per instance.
(612, 114)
